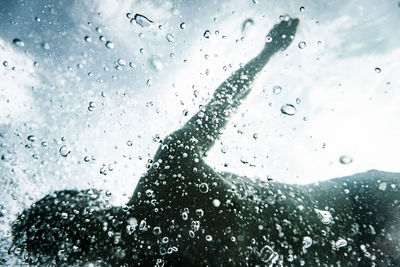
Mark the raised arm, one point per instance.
(205, 126)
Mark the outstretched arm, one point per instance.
(205, 126)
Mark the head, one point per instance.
(282, 34)
(64, 227)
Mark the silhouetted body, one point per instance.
(183, 213)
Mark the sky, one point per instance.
(65, 91)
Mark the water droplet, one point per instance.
(103, 170)
(129, 143)
(302, 9)
(142, 225)
(268, 39)
(324, 215)
(91, 106)
(245, 25)
(345, 160)
(18, 42)
(132, 65)
(185, 112)
(255, 2)
(121, 62)
(64, 151)
(102, 38)
(88, 39)
(200, 213)
(288, 109)
(216, 203)
(378, 70)
(142, 20)
(302, 45)
(5, 63)
(64, 215)
(203, 187)
(157, 230)
(31, 138)
(45, 45)
(156, 63)
(271, 200)
(149, 82)
(183, 25)
(185, 215)
(307, 242)
(255, 136)
(340, 243)
(298, 100)
(108, 193)
(267, 255)
(208, 238)
(170, 38)
(191, 234)
(149, 192)
(382, 186)
(277, 89)
(207, 34)
(109, 45)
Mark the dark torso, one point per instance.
(183, 213)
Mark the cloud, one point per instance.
(18, 79)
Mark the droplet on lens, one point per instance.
(340, 243)
(267, 255)
(288, 109)
(345, 160)
(18, 42)
(45, 45)
(88, 39)
(91, 106)
(142, 20)
(170, 38)
(207, 34)
(302, 45)
(109, 45)
(156, 63)
(64, 151)
(203, 188)
(277, 89)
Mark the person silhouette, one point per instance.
(184, 213)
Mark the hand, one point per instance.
(281, 35)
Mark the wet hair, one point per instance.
(60, 228)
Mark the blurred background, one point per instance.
(89, 88)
